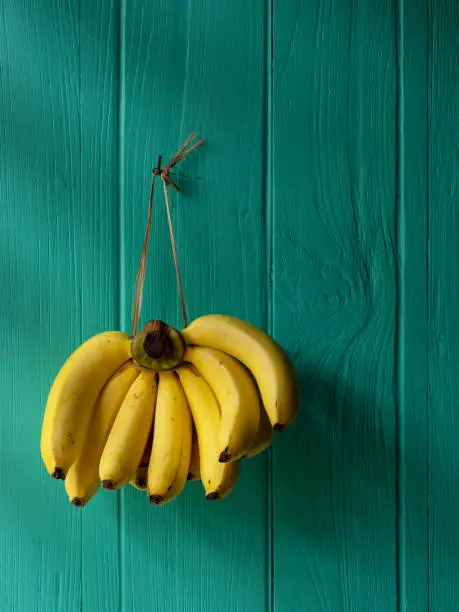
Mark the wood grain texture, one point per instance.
(443, 303)
(193, 66)
(42, 287)
(334, 303)
(40, 196)
(59, 285)
(326, 214)
(412, 371)
(99, 27)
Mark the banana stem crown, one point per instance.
(158, 346)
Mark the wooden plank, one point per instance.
(443, 305)
(412, 49)
(42, 278)
(58, 215)
(334, 303)
(196, 66)
(99, 28)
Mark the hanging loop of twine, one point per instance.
(164, 173)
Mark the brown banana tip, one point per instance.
(190, 476)
(214, 496)
(58, 474)
(78, 502)
(156, 499)
(109, 485)
(141, 482)
(279, 427)
(225, 456)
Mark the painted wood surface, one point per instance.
(192, 555)
(335, 303)
(327, 215)
(443, 336)
(413, 322)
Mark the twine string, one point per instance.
(142, 268)
(174, 254)
(163, 172)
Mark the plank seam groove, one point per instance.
(120, 7)
(427, 262)
(80, 136)
(400, 228)
(269, 247)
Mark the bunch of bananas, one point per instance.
(164, 406)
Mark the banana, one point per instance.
(237, 396)
(82, 481)
(171, 450)
(218, 478)
(129, 434)
(139, 478)
(194, 471)
(73, 395)
(264, 435)
(265, 358)
(158, 346)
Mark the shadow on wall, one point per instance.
(338, 471)
(335, 478)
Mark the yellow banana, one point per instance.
(194, 471)
(73, 395)
(265, 358)
(171, 450)
(139, 478)
(264, 435)
(218, 478)
(237, 396)
(129, 434)
(82, 481)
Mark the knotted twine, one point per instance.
(164, 172)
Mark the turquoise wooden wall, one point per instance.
(329, 215)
